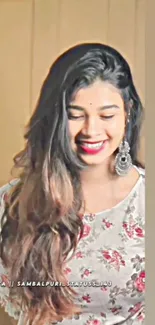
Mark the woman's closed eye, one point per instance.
(75, 117)
(81, 116)
(106, 117)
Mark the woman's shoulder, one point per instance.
(141, 182)
(6, 187)
(139, 193)
(141, 172)
(4, 190)
(140, 169)
(4, 281)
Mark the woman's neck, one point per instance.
(98, 174)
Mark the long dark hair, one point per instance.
(41, 224)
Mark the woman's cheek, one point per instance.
(116, 127)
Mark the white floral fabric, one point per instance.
(108, 268)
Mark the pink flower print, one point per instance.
(135, 308)
(87, 298)
(117, 254)
(139, 232)
(112, 258)
(5, 197)
(86, 231)
(142, 274)
(141, 317)
(130, 233)
(79, 255)
(125, 225)
(67, 270)
(93, 322)
(88, 322)
(86, 273)
(104, 288)
(103, 315)
(115, 310)
(139, 284)
(129, 228)
(106, 255)
(117, 260)
(96, 322)
(81, 215)
(5, 279)
(107, 223)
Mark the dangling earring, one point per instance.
(123, 161)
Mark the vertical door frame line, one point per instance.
(32, 54)
(58, 32)
(135, 33)
(108, 22)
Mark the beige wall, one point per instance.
(34, 32)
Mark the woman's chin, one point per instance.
(91, 160)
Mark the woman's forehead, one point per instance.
(97, 95)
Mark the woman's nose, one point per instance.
(92, 127)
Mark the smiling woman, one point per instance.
(97, 129)
(75, 216)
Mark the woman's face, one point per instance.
(96, 122)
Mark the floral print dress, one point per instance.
(108, 268)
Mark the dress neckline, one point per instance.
(122, 201)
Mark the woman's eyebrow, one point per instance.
(108, 107)
(79, 108)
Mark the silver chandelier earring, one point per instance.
(123, 161)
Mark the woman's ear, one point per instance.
(128, 111)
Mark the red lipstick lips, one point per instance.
(92, 148)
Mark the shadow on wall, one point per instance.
(5, 319)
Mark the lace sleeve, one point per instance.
(4, 282)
